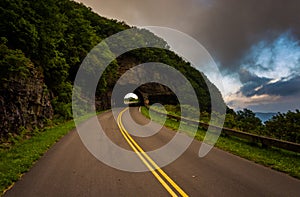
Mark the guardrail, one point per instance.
(265, 141)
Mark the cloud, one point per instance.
(240, 101)
(269, 75)
(282, 105)
(226, 28)
(290, 87)
(279, 96)
(263, 103)
(233, 26)
(272, 68)
(251, 82)
(231, 84)
(276, 60)
(256, 42)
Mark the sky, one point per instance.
(255, 43)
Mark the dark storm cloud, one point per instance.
(246, 77)
(277, 64)
(254, 85)
(250, 82)
(232, 31)
(234, 26)
(227, 28)
(282, 88)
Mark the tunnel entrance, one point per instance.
(147, 94)
(156, 93)
(131, 99)
(140, 97)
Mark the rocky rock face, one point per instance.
(24, 103)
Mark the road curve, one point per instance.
(68, 169)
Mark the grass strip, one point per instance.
(20, 157)
(275, 158)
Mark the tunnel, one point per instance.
(151, 93)
(148, 94)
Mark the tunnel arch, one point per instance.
(151, 93)
(140, 97)
(148, 94)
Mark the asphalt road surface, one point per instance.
(69, 169)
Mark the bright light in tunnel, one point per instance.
(131, 98)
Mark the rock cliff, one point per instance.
(24, 98)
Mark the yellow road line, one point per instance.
(166, 186)
(141, 153)
(153, 163)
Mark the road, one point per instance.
(68, 169)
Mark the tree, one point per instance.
(56, 35)
(247, 121)
(285, 126)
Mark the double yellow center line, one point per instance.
(159, 174)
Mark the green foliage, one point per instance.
(18, 157)
(197, 79)
(55, 35)
(278, 159)
(13, 63)
(230, 121)
(23, 153)
(285, 126)
(17, 97)
(247, 121)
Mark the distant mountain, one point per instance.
(264, 116)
